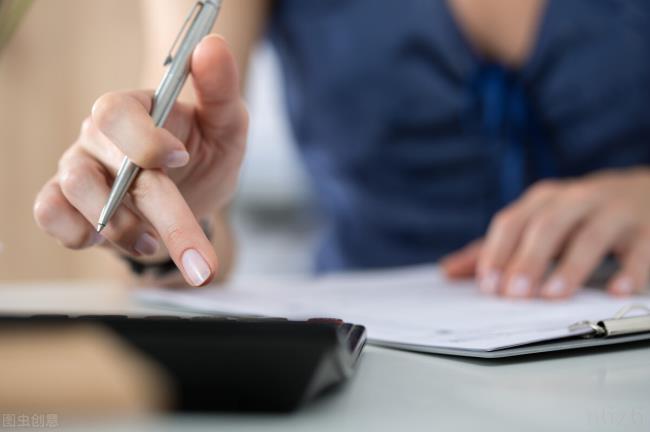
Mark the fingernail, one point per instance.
(146, 245)
(177, 159)
(554, 287)
(519, 286)
(196, 269)
(624, 286)
(489, 283)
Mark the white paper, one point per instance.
(414, 307)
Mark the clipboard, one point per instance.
(622, 328)
(418, 309)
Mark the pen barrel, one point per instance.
(176, 75)
(123, 181)
(165, 97)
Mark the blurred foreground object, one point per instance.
(81, 370)
(11, 11)
(214, 362)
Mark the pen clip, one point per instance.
(197, 6)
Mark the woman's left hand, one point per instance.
(577, 222)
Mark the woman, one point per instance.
(517, 127)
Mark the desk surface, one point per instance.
(606, 389)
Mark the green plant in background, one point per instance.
(11, 12)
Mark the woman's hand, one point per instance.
(191, 169)
(576, 222)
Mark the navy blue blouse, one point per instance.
(413, 141)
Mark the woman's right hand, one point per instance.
(190, 171)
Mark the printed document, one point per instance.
(416, 308)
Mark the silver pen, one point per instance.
(201, 19)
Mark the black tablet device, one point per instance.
(225, 363)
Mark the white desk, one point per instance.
(604, 390)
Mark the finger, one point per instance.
(462, 264)
(541, 243)
(54, 215)
(585, 252)
(505, 232)
(158, 199)
(83, 184)
(219, 108)
(94, 143)
(125, 120)
(634, 274)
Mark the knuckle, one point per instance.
(104, 109)
(544, 188)
(579, 193)
(544, 224)
(175, 236)
(46, 210)
(146, 183)
(86, 126)
(89, 135)
(504, 219)
(89, 140)
(67, 158)
(74, 181)
(49, 213)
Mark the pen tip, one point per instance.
(100, 227)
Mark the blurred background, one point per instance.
(66, 53)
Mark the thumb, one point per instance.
(219, 106)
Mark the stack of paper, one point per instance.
(414, 308)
